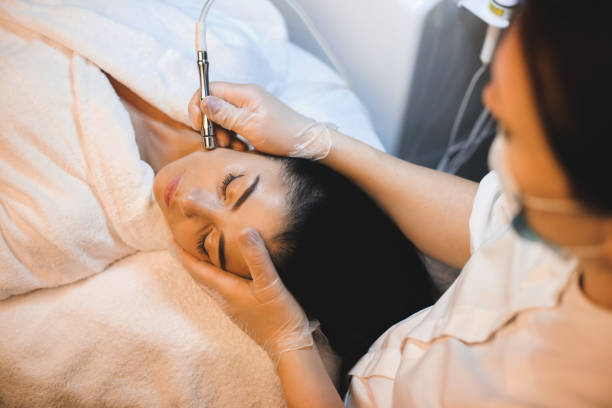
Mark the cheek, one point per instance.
(535, 170)
(186, 238)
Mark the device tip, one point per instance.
(208, 142)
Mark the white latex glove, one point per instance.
(262, 307)
(268, 124)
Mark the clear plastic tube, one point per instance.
(200, 40)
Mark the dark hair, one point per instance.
(345, 261)
(568, 49)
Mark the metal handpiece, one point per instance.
(208, 133)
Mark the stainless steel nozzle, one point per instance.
(208, 130)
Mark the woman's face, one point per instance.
(510, 99)
(209, 197)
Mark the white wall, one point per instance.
(377, 42)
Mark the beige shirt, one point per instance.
(514, 330)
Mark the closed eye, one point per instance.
(226, 182)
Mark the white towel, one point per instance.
(138, 335)
(102, 210)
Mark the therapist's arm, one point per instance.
(431, 208)
(263, 307)
(305, 381)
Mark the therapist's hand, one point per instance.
(262, 307)
(268, 124)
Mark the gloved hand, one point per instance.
(268, 124)
(262, 307)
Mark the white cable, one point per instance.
(487, 130)
(458, 119)
(456, 151)
(319, 39)
(476, 139)
(480, 122)
(201, 35)
(488, 46)
(466, 154)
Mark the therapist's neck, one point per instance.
(597, 282)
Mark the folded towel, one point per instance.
(74, 195)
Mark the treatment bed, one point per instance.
(93, 309)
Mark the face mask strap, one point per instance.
(519, 202)
(593, 251)
(498, 161)
(561, 206)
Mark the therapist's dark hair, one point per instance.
(568, 49)
(345, 261)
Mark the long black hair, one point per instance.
(568, 49)
(346, 261)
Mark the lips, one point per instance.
(171, 189)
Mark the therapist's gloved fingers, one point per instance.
(240, 95)
(226, 285)
(269, 125)
(195, 114)
(227, 115)
(266, 282)
(223, 137)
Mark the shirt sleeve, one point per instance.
(490, 212)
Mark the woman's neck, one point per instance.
(596, 283)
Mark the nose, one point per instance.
(199, 203)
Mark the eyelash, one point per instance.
(202, 242)
(226, 181)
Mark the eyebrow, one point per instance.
(237, 204)
(246, 194)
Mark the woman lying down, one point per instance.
(335, 250)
